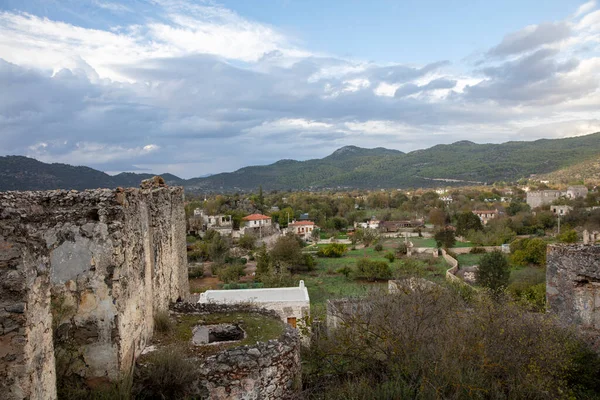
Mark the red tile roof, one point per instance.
(255, 217)
(297, 223)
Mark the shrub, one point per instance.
(378, 247)
(167, 374)
(231, 273)
(478, 250)
(162, 322)
(402, 248)
(332, 250)
(247, 241)
(528, 251)
(445, 238)
(215, 267)
(390, 256)
(493, 271)
(568, 236)
(372, 270)
(196, 272)
(345, 270)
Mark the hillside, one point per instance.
(587, 171)
(348, 167)
(381, 168)
(23, 173)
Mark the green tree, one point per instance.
(467, 221)
(493, 271)
(287, 252)
(247, 241)
(445, 238)
(568, 236)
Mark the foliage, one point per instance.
(467, 221)
(335, 250)
(162, 322)
(493, 271)
(402, 248)
(568, 236)
(231, 273)
(445, 238)
(378, 247)
(478, 250)
(424, 344)
(390, 256)
(528, 251)
(196, 272)
(372, 270)
(247, 241)
(287, 252)
(366, 236)
(345, 270)
(167, 374)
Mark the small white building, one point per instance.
(561, 210)
(302, 228)
(291, 303)
(256, 220)
(486, 215)
(371, 224)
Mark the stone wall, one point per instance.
(573, 287)
(102, 261)
(266, 370)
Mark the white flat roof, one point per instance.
(255, 295)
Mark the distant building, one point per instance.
(256, 220)
(302, 228)
(201, 222)
(371, 224)
(486, 215)
(561, 210)
(291, 303)
(395, 226)
(542, 197)
(576, 191)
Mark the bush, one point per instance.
(215, 268)
(568, 236)
(162, 322)
(231, 273)
(333, 250)
(528, 251)
(372, 270)
(196, 272)
(345, 270)
(478, 250)
(378, 247)
(390, 256)
(402, 248)
(493, 271)
(167, 374)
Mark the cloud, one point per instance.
(196, 88)
(531, 38)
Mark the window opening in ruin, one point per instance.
(292, 321)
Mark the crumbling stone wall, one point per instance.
(110, 257)
(573, 287)
(265, 370)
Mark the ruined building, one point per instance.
(93, 266)
(573, 287)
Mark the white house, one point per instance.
(561, 210)
(256, 220)
(290, 303)
(485, 215)
(371, 224)
(302, 228)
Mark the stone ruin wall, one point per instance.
(573, 288)
(266, 370)
(110, 258)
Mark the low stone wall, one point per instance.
(573, 287)
(99, 263)
(266, 370)
(451, 273)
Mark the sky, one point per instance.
(201, 87)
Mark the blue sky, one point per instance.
(197, 87)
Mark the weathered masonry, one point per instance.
(92, 267)
(573, 287)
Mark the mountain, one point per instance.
(23, 173)
(459, 163)
(587, 171)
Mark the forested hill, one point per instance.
(348, 167)
(380, 168)
(23, 173)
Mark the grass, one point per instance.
(258, 328)
(326, 283)
(467, 260)
(527, 275)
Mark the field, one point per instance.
(326, 283)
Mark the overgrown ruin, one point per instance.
(573, 287)
(90, 268)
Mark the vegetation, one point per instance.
(336, 250)
(424, 344)
(372, 270)
(445, 238)
(493, 272)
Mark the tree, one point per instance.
(263, 261)
(493, 271)
(467, 221)
(247, 241)
(437, 217)
(445, 238)
(366, 236)
(568, 236)
(287, 252)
